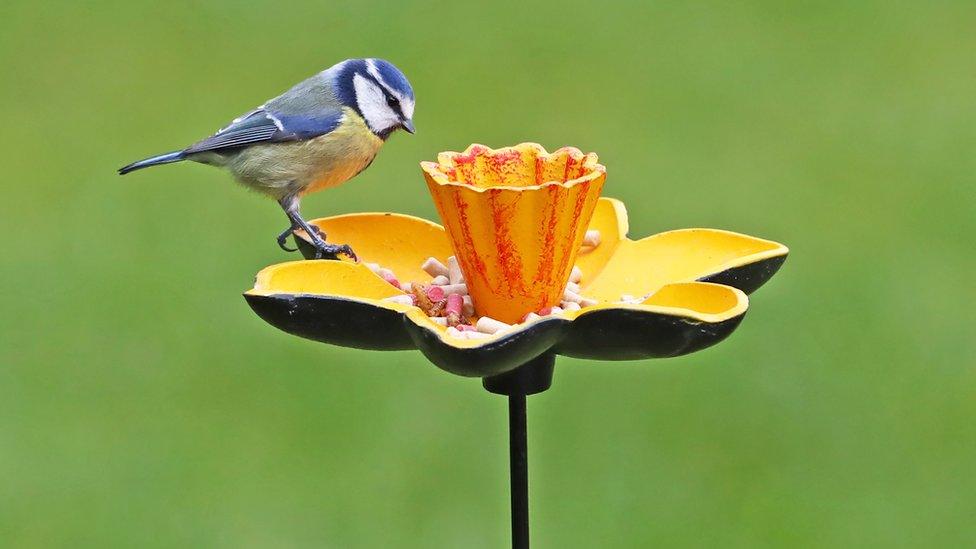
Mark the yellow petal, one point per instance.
(678, 319)
(325, 278)
(642, 267)
(699, 300)
(395, 241)
(610, 218)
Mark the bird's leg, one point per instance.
(290, 205)
(323, 250)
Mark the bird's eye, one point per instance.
(391, 101)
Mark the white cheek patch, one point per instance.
(372, 103)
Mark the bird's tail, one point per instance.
(167, 158)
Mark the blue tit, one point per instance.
(317, 135)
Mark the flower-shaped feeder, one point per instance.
(693, 282)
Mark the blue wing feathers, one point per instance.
(262, 126)
(307, 127)
(231, 138)
(255, 127)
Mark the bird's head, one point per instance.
(379, 92)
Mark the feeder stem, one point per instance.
(518, 457)
(530, 378)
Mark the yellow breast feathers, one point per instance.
(342, 153)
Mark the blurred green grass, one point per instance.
(143, 404)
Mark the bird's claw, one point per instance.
(282, 238)
(324, 250)
(347, 251)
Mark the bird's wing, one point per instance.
(263, 125)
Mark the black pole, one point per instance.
(518, 457)
(530, 378)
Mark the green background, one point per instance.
(142, 403)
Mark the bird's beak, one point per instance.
(408, 125)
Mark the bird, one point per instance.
(319, 134)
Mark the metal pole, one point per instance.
(535, 376)
(518, 455)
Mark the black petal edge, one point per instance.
(750, 277)
(334, 320)
(631, 334)
(493, 357)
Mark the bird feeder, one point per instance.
(516, 219)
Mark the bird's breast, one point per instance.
(341, 154)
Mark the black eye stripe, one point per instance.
(393, 103)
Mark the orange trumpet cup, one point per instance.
(516, 218)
